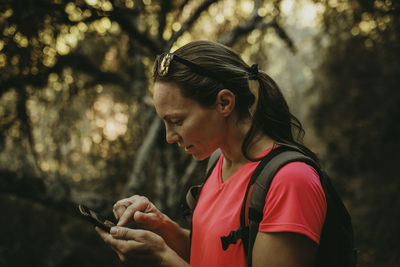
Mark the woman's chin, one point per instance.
(199, 156)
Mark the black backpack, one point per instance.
(336, 247)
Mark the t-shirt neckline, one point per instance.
(221, 159)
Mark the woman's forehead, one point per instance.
(165, 88)
(169, 99)
(167, 93)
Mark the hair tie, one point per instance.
(253, 72)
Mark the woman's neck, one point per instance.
(232, 147)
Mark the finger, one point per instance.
(101, 232)
(124, 248)
(120, 206)
(141, 204)
(120, 255)
(121, 240)
(127, 245)
(117, 212)
(123, 233)
(146, 220)
(108, 240)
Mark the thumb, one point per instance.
(147, 220)
(121, 233)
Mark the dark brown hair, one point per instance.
(271, 117)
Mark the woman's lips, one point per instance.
(187, 148)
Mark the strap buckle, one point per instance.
(234, 236)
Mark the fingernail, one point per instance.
(114, 231)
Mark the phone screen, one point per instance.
(95, 218)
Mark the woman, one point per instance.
(209, 99)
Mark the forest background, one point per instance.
(77, 122)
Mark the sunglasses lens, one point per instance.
(164, 62)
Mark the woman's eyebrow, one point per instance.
(171, 116)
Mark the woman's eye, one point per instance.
(176, 122)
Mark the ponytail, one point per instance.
(272, 116)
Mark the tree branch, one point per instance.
(74, 60)
(284, 36)
(171, 177)
(26, 126)
(186, 26)
(138, 81)
(165, 8)
(188, 173)
(183, 4)
(256, 22)
(143, 154)
(154, 47)
(250, 24)
(231, 37)
(125, 18)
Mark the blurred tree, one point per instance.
(77, 123)
(357, 117)
(74, 88)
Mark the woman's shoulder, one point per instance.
(297, 174)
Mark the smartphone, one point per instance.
(95, 218)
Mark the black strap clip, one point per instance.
(233, 237)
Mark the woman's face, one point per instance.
(198, 130)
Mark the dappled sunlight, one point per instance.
(106, 119)
(111, 117)
(76, 89)
(304, 13)
(246, 7)
(100, 4)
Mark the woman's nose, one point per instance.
(171, 136)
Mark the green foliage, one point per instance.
(77, 122)
(357, 117)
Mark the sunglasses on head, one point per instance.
(165, 60)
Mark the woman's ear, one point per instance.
(225, 102)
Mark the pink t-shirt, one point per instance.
(294, 203)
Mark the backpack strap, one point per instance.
(243, 231)
(256, 192)
(212, 161)
(260, 190)
(194, 191)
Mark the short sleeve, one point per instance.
(295, 202)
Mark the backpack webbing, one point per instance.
(336, 242)
(258, 188)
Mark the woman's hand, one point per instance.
(141, 247)
(138, 210)
(138, 246)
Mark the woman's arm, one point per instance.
(283, 249)
(176, 237)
